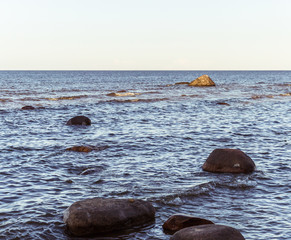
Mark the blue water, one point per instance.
(157, 141)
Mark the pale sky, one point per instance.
(145, 35)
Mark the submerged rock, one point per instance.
(79, 120)
(229, 161)
(223, 103)
(123, 94)
(202, 81)
(181, 83)
(180, 221)
(87, 148)
(285, 94)
(97, 215)
(80, 149)
(208, 232)
(28, 108)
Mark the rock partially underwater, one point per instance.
(179, 221)
(79, 120)
(229, 161)
(202, 81)
(98, 215)
(208, 232)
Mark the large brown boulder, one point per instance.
(202, 81)
(79, 120)
(208, 232)
(98, 215)
(229, 161)
(179, 221)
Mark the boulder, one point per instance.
(79, 120)
(98, 215)
(202, 81)
(180, 221)
(229, 161)
(208, 232)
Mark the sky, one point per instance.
(145, 35)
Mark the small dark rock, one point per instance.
(208, 232)
(229, 161)
(181, 83)
(28, 108)
(79, 120)
(97, 215)
(223, 103)
(180, 221)
(80, 149)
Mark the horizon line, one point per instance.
(131, 70)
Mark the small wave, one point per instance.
(137, 100)
(123, 94)
(177, 198)
(67, 98)
(238, 184)
(30, 99)
(5, 100)
(284, 85)
(262, 96)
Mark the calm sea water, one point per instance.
(157, 142)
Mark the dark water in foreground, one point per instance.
(158, 141)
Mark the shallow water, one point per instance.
(157, 142)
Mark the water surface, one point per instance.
(157, 140)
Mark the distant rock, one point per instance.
(87, 148)
(285, 94)
(80, 149)
(208, 232)
(229, 161)
(97, 215)
(123, 94)
(28, 108)
(262, 96)
(223, 103)
(181, 83)
(202, 81)
(79, 120)
(180, 221)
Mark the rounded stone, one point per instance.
(97, 215)
(179, 221)
(79, 120)
(208, 232)
(229, 161)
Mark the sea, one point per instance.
(150, 141)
